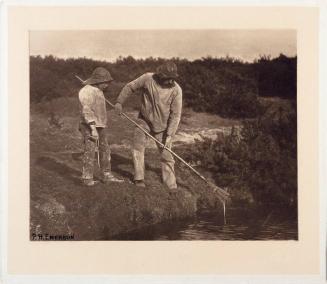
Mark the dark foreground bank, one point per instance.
(62, 206)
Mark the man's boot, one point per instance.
(90, 182)
(109, 177)
(139, 183)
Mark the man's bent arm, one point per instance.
(131, 87)
(175, 114)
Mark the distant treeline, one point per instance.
(225, 86)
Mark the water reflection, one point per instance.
(241, 225)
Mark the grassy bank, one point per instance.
(60, 204)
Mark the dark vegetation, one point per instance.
(256, 163)
(224, 86)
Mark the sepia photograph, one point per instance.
(143, 135)
(167, 143)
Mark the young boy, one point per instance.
(93, 126)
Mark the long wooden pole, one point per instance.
(223, 194)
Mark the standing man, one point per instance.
(93, 126)
(160, 114)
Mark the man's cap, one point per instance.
(168, 70)
(99, 75)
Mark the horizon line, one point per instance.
(227, 56)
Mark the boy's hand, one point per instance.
(94, 133)
(118, 108)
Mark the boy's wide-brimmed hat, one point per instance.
(99, 75)
(168, 70)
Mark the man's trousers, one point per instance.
(167, 160)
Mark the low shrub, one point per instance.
(261, 160)
(276, 77)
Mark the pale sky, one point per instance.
(190, 44)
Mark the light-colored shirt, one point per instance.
(161, 107)
(92, 106)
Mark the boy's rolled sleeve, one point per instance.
(87, 113)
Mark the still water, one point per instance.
(240, 224)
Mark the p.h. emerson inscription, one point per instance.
(48, 237)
